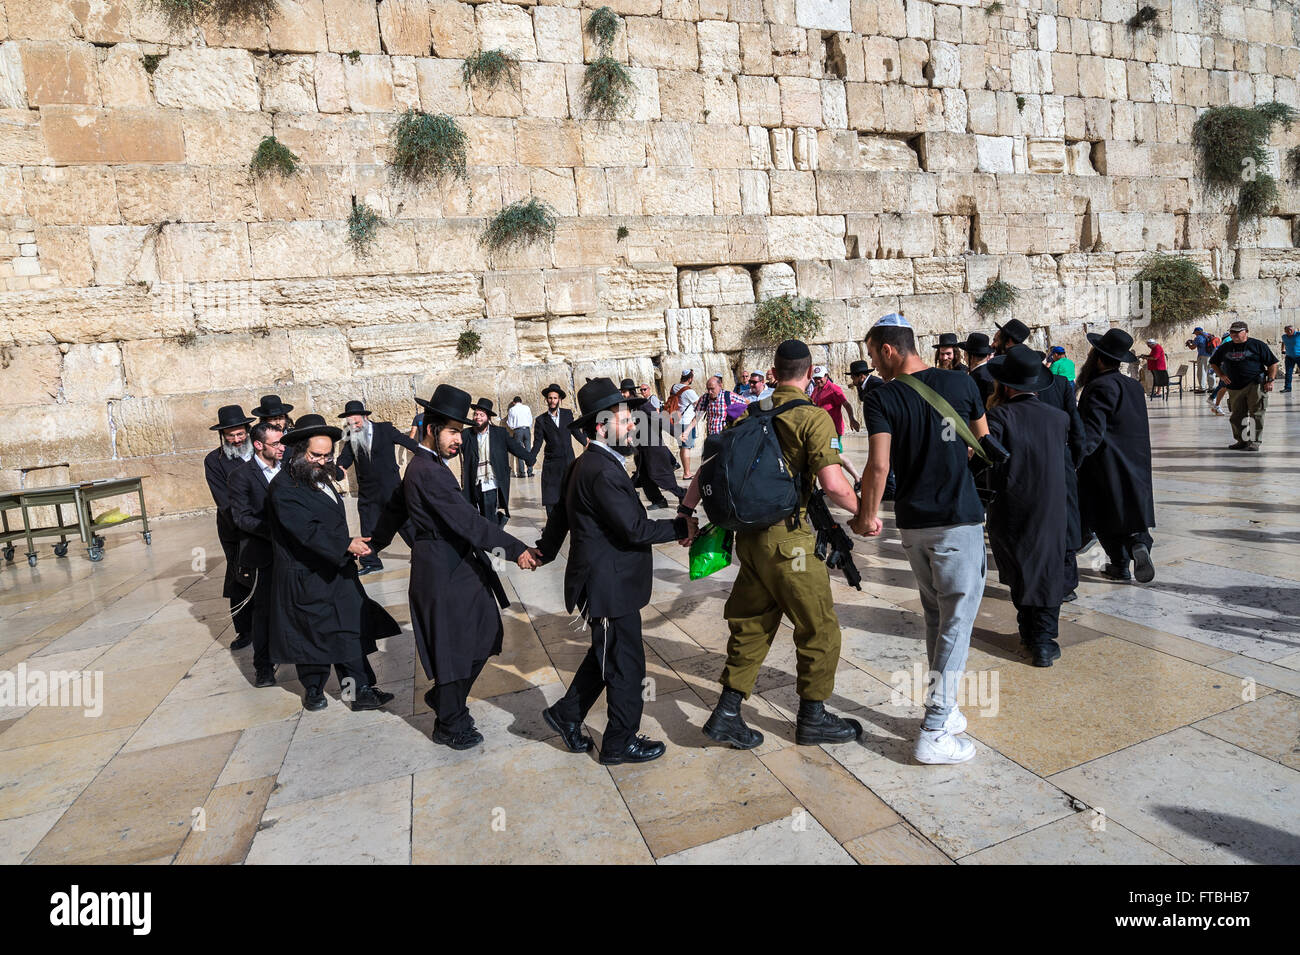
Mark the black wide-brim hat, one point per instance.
(1015, 329)
(311, 426)
(859, 367)
(627, 384)
(601, 394)
(555, 388)
(977, 344)
(450, 402)
(1021, 368)
(484, 405)
(272, 407)
(231, 416)
(354, 408)
(1116, 344)
(948, 340)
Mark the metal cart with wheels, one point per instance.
(79, 496)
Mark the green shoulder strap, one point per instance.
(946, 411)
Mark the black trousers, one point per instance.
(615, 664)
(358, 671)
(1039, 626)
(262, 619)
(1119, 549)
(655, 492)
(243, 620)
(451, 701)
(1071, 571)
(489, 505)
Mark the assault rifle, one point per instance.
(833, 545)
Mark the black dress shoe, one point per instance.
(466, 739)
(265, 676)
(1071, 596)
(241, 641)
(814, 725)
(314, 700)
(1044, 654)
(1116, 572)
(1143, 569)
(571, 733)
(368, 569)
(1237, 446)
(726, 725)
(368, 698)
(641, 749)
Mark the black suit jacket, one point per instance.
(1061, 395)
(248, 492)
(1115, 488)
(559, 450)
(500, 443)
(611, 566)
(218, 468)
(377, 475)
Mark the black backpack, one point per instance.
(744, 482)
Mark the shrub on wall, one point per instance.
(488, 68)
(469, 343)
(787, 316)
(428, 147)
(1180, 292)
(186, 14)
(1232, 147)
(602, 27)
(606, 88)
(997, 297)
(273, 156)
(518, 224)
(363, 226)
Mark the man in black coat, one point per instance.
(486, 480)
(249, 487)
(232, 453)
(1060, 394)
(1013, 333)
(273, 411)
(553, 430)
(371, 446)
(978, 352)
(653, 462)
(1115, 492)
(1026, 521)
(454, 590)
(321, 615)
(609, 575)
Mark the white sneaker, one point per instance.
(955, 723)
(1219, 411)
(940, 746)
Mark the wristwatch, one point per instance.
(684, 511)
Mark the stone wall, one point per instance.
(877, 155)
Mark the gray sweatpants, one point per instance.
(950, 566)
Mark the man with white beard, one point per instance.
(234, 450)
(371, 445)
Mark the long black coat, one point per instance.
(1027, 519)
(611, 566)
(500, 444)
(320, 613)
(248, 493)
(558, 443)
(454, 592)
(984, 379)
(654, 460)
(377, 474)
(218, 468)
(1061, 395)
(1115, 493)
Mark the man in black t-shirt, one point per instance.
(864, 383)
(1247, 366)
(939, 515)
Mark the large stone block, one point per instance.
(558, 31)
(823, 15)
(948, 152)
(507, 27)
(515, 294)
(30, 375)
(722, 285)
(204, 252)
(84, 135)
(65, 251)
(773, 280)
(201, 78)
(93, 373)
(352, 26)
(70, 195)
(167, 367)
(689, 330)
(47, 435)
(404, 27)
(153, 194)
(806, 237)
(626, 289)
(662, 44)
(59, 73)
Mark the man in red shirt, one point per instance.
(1159, 369)
(830, 398)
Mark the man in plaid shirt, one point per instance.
(713, 406)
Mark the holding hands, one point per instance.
(359, 547)
(530, 559)
(865, 526)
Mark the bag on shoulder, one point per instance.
(745, 484)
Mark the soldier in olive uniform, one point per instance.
(780, 576)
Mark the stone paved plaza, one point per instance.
(1167, 733)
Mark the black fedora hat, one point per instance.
(948, 340)
(1021, 368)
(231, 416)
(977, 344)
(484, 405)
(859, 367)
(601, 394)
(354, 407)
(555, 388)
(311, 426)
(1116, 344)
(271, 407)
(450, 402)
(627, 384)
(1014, 329)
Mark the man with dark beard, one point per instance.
(978, 352)
(1115, 492)
(454, 590)
(249, 488)
(1014, 332)
(552, 430)
(232, 453)
(945, 353)
(371, 446)
(321, 615)
(484, 467)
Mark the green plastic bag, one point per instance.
(710, 551)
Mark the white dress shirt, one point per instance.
(519, 416)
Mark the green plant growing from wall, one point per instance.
(602, 27)
(1180, 292)
(469, 343)
(1146, 16)
(273, 156)
(1231, 143)
(354, 56)
(998, 296)
(151, 61)
(1020, 104)
(1293, 162)
(428, 147)
(622, 233)
(363, 227)
(993, 9)
(187, 14)
(519, 224)
(606, 88)
(489, 68)
(786, 316)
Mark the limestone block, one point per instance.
(65, 251)
(440, 87)
(823, 15)
(936, 275)
(515, 294)
(865, 106)
(326, 139)
(947, 152)
(75, 134)
(773, 280)
(801, 101)
(47, 435)
(93, 373)
(316, 354)
(906, 235)
(627, 290)
(760, 100)
(203, 78)
(369, 84)
(205, 251)
(70, 195)
(805, 151)
(945, 64)
(835, 112)
(731, 326)
(719, 46)
(404, 27)
(558, 31)
(861, 236)
(570, 291)
(545, 91)
(721, 285)
(298, 27)
(507, 27)
(122, 254)
(352, 26)
(915, 55)
(1045, 155)
(689, 331)
(662, 44)
(891, 276)
(806, 237)
(30, 375)
(847, 191)
(994, 154)
(57, 73)
(814, 280)
(13, 86)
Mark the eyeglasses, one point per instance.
(319, 458)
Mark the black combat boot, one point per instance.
(815, 725)
(726, 725)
